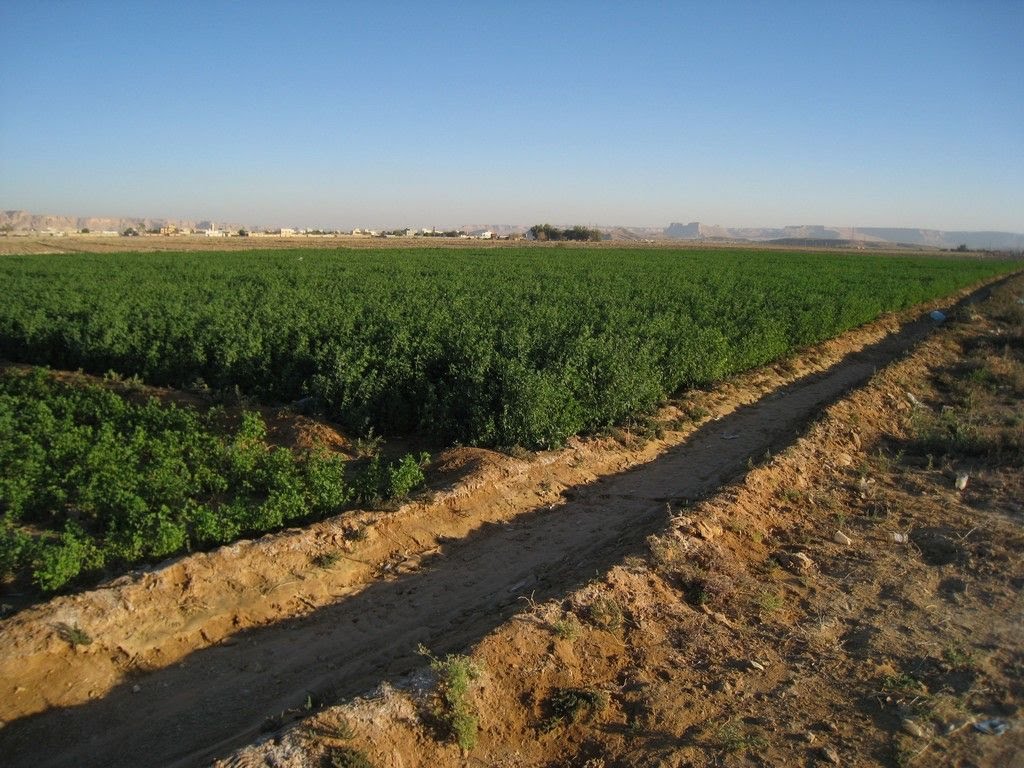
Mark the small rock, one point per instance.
(796, 562)
(721, 618)
(961, 480)
(136, 688)
(841, 538)
(756, 665)
(908, 726)
(830, 755)
(899, 538)
(708, 531)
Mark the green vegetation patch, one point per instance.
(93, 482)
(498, 347)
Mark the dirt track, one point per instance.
(221, 697)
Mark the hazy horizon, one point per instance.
(315, 115)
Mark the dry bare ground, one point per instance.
(25, 244)
(196, 657)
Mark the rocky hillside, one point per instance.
(896, 235)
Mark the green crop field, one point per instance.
(498, 347)
(493, 347)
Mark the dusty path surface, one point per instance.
(220, 697)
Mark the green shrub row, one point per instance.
(94, 482)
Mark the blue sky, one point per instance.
(420, 114)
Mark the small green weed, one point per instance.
(567, 628)
(73, 634)
(768, 602)
(367, 446)
(958, 657)
(792, 495)
(327, 560)
(902, 683)
(341, 731)
(357, 534)
(569, 706)
(453, 707)
(345, 757)
(605, 613)
(734, 737)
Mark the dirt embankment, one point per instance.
(444, 571)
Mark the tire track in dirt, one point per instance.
(220, 697)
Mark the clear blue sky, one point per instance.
(393, 114)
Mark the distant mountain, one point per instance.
(820, 233)
(23, 221)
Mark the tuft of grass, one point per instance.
(768, 602)
(569, 706)
(567, 628)
(453, 708)
(958, 657)
(73, 634)
(902, 683)
(327, 560)
(605, 613)
(345, 757)
(342, 730)
(733, 738)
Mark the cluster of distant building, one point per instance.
(171, 230)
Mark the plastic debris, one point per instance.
(993, 727)
(910, 727)
(841, 538)
(915, 402)
(937, 316)
(961, 480)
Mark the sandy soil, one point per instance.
(153, 243)
(201, 654)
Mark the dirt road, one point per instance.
(222, 696)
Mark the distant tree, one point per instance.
(84, 231)
(962, 248)
(243, 233)
(545, 232)
(6, 228)
(130, 232)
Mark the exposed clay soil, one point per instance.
(193, 658)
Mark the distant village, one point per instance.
(171, 230)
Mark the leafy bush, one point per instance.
(103, 482)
